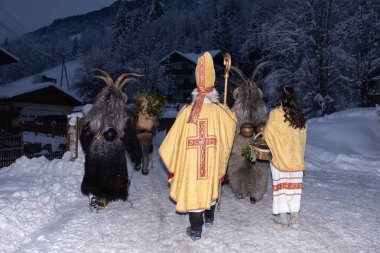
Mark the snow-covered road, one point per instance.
(42, 210)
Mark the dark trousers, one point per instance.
(196, 221)
(196, 218)
(209, 214)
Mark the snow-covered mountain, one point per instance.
(328, 50)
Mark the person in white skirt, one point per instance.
(285, 134)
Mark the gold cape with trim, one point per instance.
(197, 155)
(287, 144)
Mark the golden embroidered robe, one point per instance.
(197, 155)
(287, 144)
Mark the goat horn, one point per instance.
(122, 79)
(240, 73)
(125, 81)
(259, 66)
(259, 83)
(235, 82)
(106, 77)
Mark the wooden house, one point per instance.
(181, 67)
(26, 99)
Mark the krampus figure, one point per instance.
(149, 107)
(246, 178)
(106, 134)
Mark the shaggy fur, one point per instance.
(245, 178)
(145, 140)
(108, 110)
(106, 174)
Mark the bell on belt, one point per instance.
(259, 128)
(247, 129)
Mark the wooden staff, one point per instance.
(227, 63)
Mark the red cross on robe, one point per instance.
(202, 142)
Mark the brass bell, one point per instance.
(247, 129)
(259, 128)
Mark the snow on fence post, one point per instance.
(73, 131)
(78, 130)
(68, 136)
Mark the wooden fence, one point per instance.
(12, 146)
(49, 155)
(51, 129)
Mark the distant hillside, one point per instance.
(67, 27)
(156, 27)
(327, 50)
(42, 48)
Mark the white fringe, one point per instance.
(212, 96)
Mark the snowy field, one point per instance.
(42, 209)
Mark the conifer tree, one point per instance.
(364, 47)
(221, 36)
(122, 32)
(156, 10)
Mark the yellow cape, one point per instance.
(286, 143)
(197, 155)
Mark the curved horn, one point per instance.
(259, 83)
(239, 72)
(126, 80)
(106, 77)
(259, 66)
(122, 79)
(237, 83)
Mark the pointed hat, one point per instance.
(205, 78)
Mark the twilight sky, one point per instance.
(21, 16)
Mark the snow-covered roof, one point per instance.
(193, 57)
(28, 84)
(6, 57)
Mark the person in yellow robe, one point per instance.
(285, 134)
(197, 148)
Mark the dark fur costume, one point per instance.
(245, 178)
(107, 134)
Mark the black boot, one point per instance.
(93, 203)
(195, 235)
(196, 222)
(209, 216)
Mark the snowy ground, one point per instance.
(42, 209)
